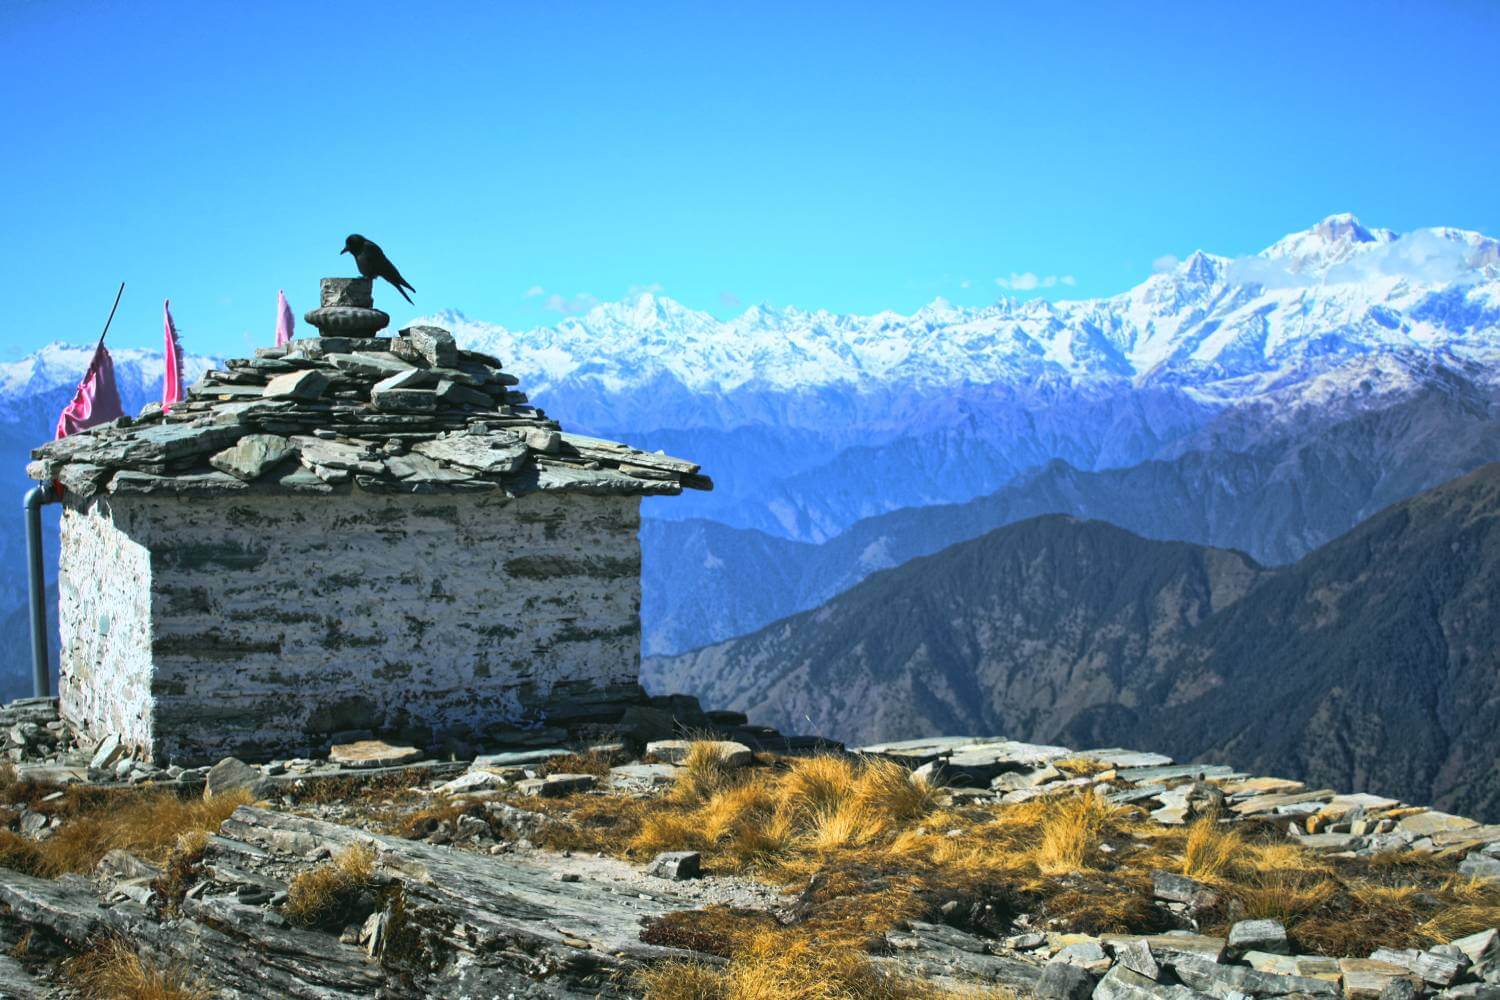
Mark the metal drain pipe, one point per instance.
(41, 674)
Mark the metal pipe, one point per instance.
(41, 674)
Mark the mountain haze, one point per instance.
(1373, 663)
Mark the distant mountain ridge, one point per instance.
(1277, 500)
(1373, 663)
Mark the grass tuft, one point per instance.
(329, 893)
(112, 970)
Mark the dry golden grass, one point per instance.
(325, 895)
(183, 866)
(112, 970)
(1081, 767)
(1071, 832)
(146, 823)
(1211, 849)
(868, 846)
(776, 965)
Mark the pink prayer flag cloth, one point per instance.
(284, 320)
(97, 400)
(171, 376)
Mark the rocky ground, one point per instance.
(675, 868)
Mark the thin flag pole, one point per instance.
(112, 311)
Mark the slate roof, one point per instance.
(405, 414)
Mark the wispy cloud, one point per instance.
(534, 291)
(570, 305)
(1423, 256)
(1027, 281)
(729, 300)
(1164, 263)
(635, 291)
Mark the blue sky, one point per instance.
(855, 156)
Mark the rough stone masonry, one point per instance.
(346, 535)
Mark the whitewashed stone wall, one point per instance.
(104, 617)
(276, 622)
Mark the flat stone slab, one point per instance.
(1201, 772)
(1431, 821)
(1263, 786)
(676, 751)
(1122, 758)
(1168, 945)
(922, 751)
(1271, 803)
(644, 775)
(372, 753)
(1310, 966)
(519, 758)
(555, 786)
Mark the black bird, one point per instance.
(373, 263)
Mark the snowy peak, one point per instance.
(1335, 240)
(1307, 304)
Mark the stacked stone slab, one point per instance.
(348, 534)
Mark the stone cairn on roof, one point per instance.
(406, 414)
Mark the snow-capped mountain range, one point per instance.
(1224, 327)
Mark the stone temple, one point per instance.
(350, 535)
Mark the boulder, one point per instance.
(234, 775)
(1258, 935)
(1062, 981)
(678, 866)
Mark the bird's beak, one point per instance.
(345, 250)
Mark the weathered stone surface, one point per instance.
(109, 750)
(252, 455)
(434, 344)
(1063, 981)
(408, 392)
(1224, 981)
(233, 775)
(1431, 821)
(1258, 935)
(937, 951)
(677, 866)
(1440, 970)
(1310, 966)
(556, 785)
(1136, 956)
(82, 478)
(1181, 889)
(499, 453)
(676, 751)
(1365, 978)
(643, 775)
(1168, 947)
(1122, 984)
(1087, 955)
(301, 385)
(372, 753)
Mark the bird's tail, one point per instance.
(403, 292)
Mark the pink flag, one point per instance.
(171, 377)
(97, 400)
(284, 321)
